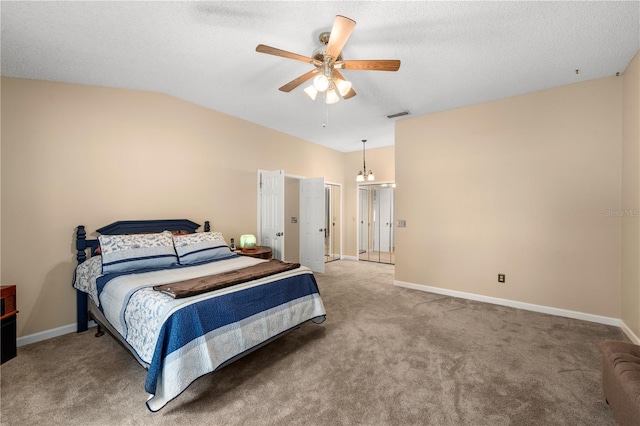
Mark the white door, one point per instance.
(271, 215)
(312, 223)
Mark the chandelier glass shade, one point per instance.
(364, 174)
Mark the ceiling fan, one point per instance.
(327, 60)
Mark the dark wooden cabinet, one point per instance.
(8, 312)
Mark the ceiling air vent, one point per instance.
(398, 114)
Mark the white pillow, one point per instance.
(201, 247)
(124, 253)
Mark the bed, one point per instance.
(126, 280)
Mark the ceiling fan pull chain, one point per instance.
(325, 106)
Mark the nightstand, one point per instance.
(261, 252)
(8, 313)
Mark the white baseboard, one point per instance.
(49, 334)
(630, 334)
(71, 328)
(514, 304)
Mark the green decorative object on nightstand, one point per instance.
(247, 242)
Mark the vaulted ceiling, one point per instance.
(453, 54)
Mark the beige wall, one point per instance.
(382, 162)
(74, 154)
(519, 186)
(631, 196)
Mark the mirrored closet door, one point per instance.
(376, 242)
(332, 222)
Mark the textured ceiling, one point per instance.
(453, 54)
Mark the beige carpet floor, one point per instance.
(384, 356)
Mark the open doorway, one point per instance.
(333, 223)
(300, 218)
(376, 231)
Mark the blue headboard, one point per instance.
(132, 227)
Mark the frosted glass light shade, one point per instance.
(370, 177)
(311, 92)
(332, 97)
(321, 83)
(247, 242)
(360, 177)
(343, 86)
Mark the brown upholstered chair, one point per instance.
(621, 380)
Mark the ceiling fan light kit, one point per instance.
(327, 60)
(323, 84)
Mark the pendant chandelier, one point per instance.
(363, 173)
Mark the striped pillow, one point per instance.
(200, 247)
(125, 253)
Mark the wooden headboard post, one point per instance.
(207, 227)
(81, 297)
(81, 244)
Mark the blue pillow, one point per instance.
(126, 253)
(200, 247)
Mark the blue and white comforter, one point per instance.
(180, 340)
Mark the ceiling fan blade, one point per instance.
(283, 53)
(351, 93)
(342, 28)
(369, 65)
(298, 81)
